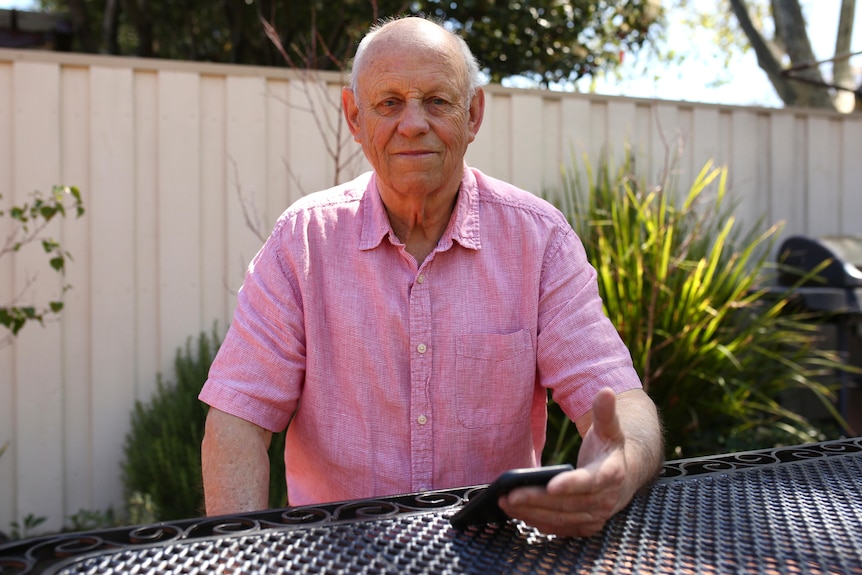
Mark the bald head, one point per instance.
(411, 32)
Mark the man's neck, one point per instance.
(420, 222)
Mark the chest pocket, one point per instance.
(496, 376)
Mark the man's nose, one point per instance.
(414, 118)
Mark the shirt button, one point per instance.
(421, 348)
(422, 420)
(420, 279)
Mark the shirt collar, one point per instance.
(463, 226)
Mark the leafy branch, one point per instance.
(29, 222)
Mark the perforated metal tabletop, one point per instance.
(790, 510)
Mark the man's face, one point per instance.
(412, 116)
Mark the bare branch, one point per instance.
(273, 36)
(249, 212)
(329, 121)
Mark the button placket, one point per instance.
(421, 437)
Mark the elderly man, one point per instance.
(406, 326)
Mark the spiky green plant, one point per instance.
(687, 289)
(162, 464)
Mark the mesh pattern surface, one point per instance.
(803, 517)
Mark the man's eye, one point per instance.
(388, 106)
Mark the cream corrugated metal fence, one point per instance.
(178, 162)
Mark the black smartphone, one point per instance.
(482, 507)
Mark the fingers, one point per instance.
(573, 491)
(579, 481)
(566, 516)
(578, 503)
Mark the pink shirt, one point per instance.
(402, 378)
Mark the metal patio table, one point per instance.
(784, 510)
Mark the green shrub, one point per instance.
(90, 520)
(27, 527)
(162, 467)
(686, 289)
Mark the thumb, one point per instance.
(606, 424)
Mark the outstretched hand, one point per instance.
(578, 503)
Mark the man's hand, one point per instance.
(621, 451)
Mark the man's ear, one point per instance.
(477, 113)
(351, 112)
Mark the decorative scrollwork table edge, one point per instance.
(32, 556)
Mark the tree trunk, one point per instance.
(139, 14)
(842, 75)
(110, 24)
(793, 43)
(81, 26)
(234, 17)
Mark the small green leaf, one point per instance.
(58, 263)
(48, 212)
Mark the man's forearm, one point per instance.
(235, 465)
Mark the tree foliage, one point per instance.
(545, 40)
(549, 41)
